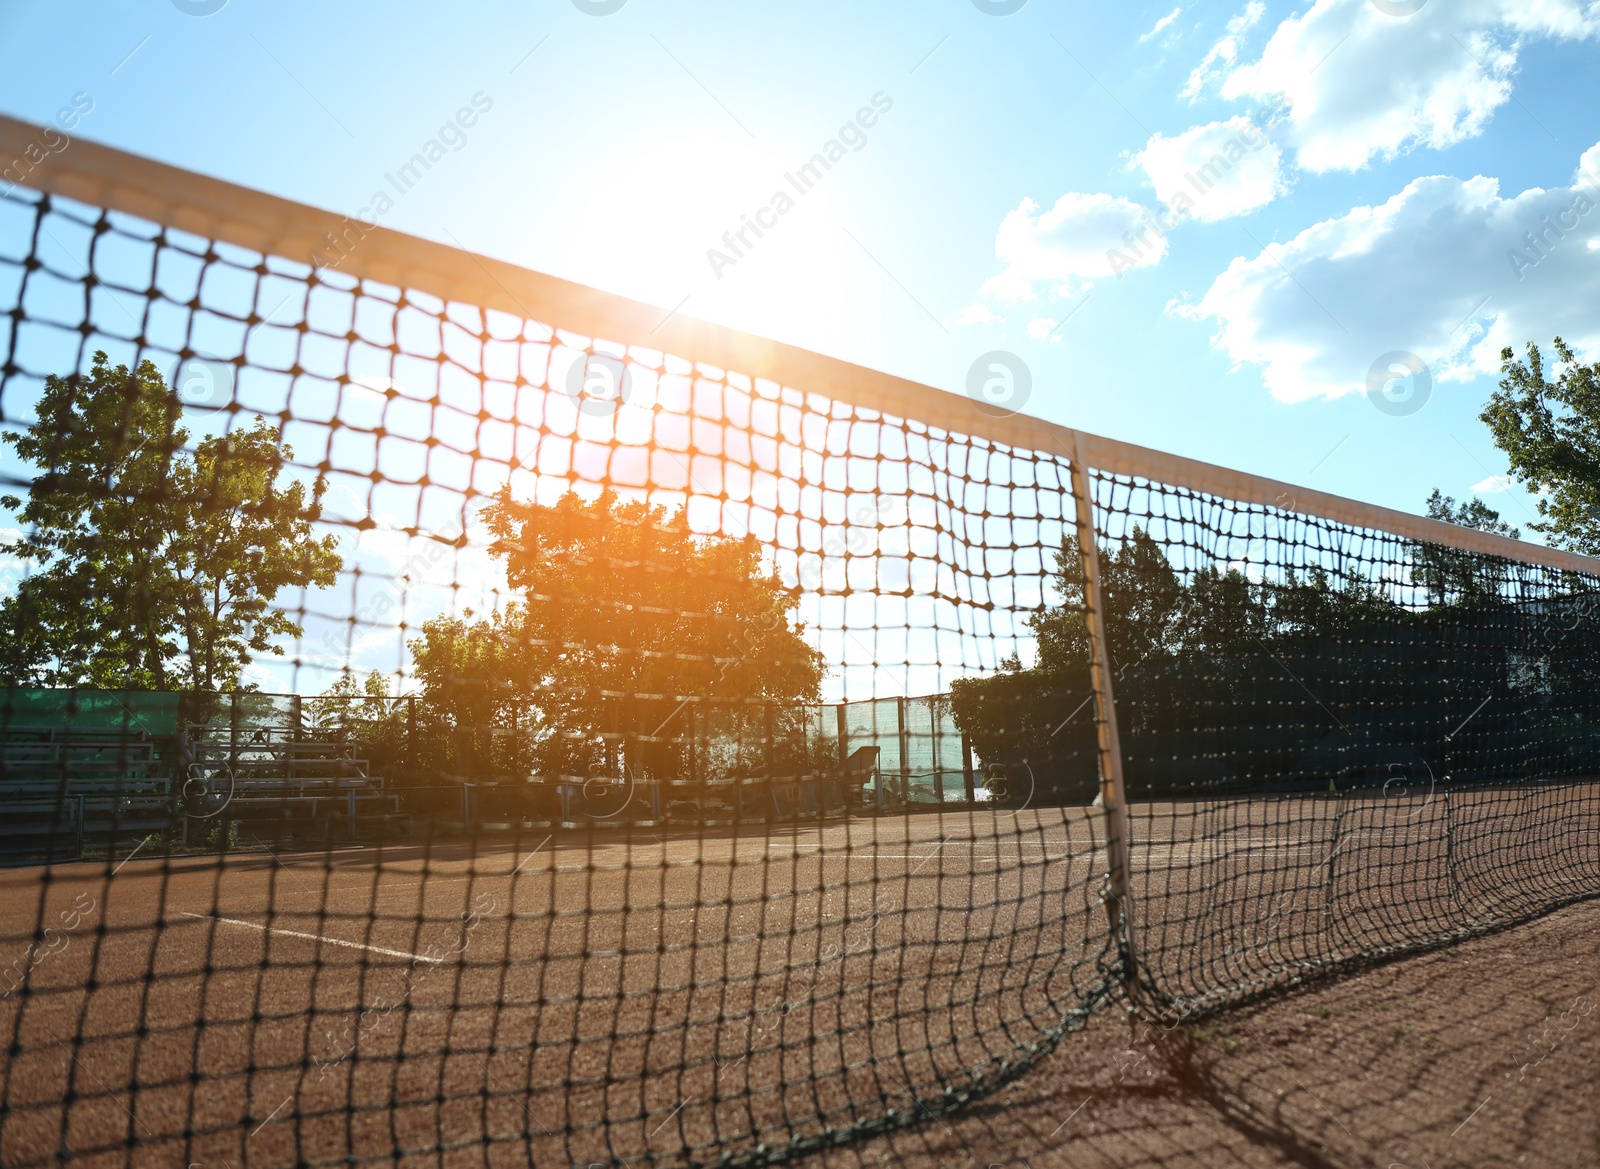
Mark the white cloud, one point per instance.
(979, 313)
(1363, 84)
(1588, 166)
(1161, 24)
(1219, 61)
(1443, 270)
(1066, 245)
(1214, 171)
(1042, 328)
(1493, 485)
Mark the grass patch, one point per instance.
(1220, 1035)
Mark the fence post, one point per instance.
(411, 731)
(769, 744)
(842, 731)
(843, 725)
(905, 754)
(693, 714)
(966, 771)
(632, 748)
(1113, 792)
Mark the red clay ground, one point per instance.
(610, 994)
(1484, 1054)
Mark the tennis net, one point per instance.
(685, 748)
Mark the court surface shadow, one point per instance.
(1482, 1054)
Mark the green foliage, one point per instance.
(1200, 658)
(218, 833)
(1451, 576)
(363, 714)
(355, 710)
(1436, 662)
(369, 692)
(619, 598)
(1033, 733)
(471, 688)
(1309, 609)
(1550, 433)
(153, 565)
(1469, 513)
(1144, 602)
(1150, 610)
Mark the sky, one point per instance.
(1287, 239)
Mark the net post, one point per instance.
(1113, 791)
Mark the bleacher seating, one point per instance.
(275, 782)
(64, 787)
(62, 783)
(81, 769)
(851, 789)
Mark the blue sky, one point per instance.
(622, 148)
(1202, 226)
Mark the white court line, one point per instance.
(364, 887)
(146, 840)
(1162, 856)
(425, 879)
(268, 929)
(951, 843)
(914, 856)
(1049, 840)
(273, 1113)
(543, 842)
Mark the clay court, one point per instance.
(1332, 904)
(1484, 1054)
(568, 998)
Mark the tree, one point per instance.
(626, 613)
(1451, 576)
(1550, 433)
(1037, 725)
(1225, 613)
(153, 565)
(472, 685)
(1197, 657)
(1309, 609)
(1469, 513)
(1145, 603)
(351, 708)
(362, 713)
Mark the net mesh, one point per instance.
(1410, 722)
(677, 767)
